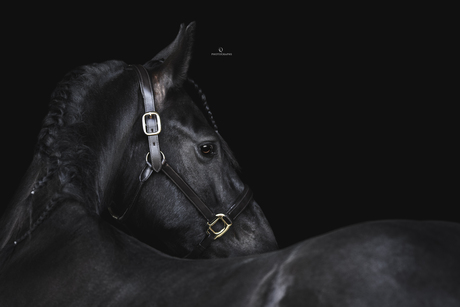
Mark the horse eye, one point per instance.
(207, 149)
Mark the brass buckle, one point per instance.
(144, 126)
(220, 233)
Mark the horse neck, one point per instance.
(84, 177)
(26, 203)
(40, 191)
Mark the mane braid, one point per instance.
(228, 152)
(61, 141)
(51, 205)
(61, 147)
(205, 103)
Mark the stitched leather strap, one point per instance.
(188, 191)
(238, 205)
(152, 124)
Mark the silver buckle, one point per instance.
(144, 125)
(162, 158)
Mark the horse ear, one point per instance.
(176, 58)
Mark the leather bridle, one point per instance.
(156, 161)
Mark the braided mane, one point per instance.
(204, 101)
(62, 148)
(62, 142)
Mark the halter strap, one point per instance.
(188, 191)
(151, 122)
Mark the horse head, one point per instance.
(160, 213)
(93, 150)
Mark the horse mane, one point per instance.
(62, 142)
(62, 149)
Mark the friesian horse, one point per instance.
(58, 251)
(93, 144)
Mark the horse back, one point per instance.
(385, 263)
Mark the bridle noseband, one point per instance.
(156, 161)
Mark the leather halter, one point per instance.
(151, 124)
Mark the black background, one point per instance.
(333, 112)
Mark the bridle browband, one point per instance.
(156, 161)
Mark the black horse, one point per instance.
(57, 251)
(92, 143)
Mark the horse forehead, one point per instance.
(188, 120)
